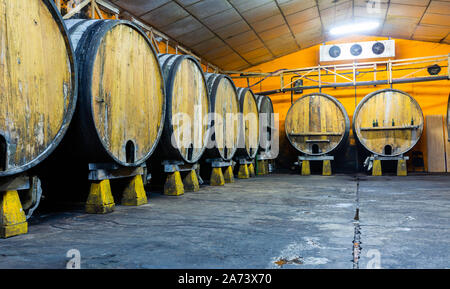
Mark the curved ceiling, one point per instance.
(236, 34)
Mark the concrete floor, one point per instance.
(288, 220)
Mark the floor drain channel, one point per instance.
(357, 232)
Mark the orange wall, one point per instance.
(431, 96)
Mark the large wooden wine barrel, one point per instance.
(121, 101)
(317, 124)
(266, 122)
(388, 122)
(249, 124)
(186, 125)
(38, 83)
(224, 116)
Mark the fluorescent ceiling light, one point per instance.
(354, 28)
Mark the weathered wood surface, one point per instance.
(435, 144)
(186, 127)
(37, 83)
(317, 124)
(122, 88)
(448, 119)
(447, 149)
(388, 122)
(225, 111)
(249, 124)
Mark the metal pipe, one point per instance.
(359, 83)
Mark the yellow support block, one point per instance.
(13, 221)
(243, 172)
(402, 169)
(306, 168)
(100, 199)
(191, 183)
(326, 169)
(174, 186)
(134, 194)
(229, 175)
(262, 168)
(376, 170)
(251, 170)
(217, 178)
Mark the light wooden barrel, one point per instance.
(388, 122)
(186, 125)
(224, 116)
(38, 83)
(266, 122)
(121, 103)
(317, 124)
(249, 124)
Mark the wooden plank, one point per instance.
(76, 9)
(411, 127)
(435, 144)
(447, 149)
(316, 134)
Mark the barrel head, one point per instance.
(388, 122)
(38, 83)
(317, 124)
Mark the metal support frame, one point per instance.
(175, 185)
(15, 183)
(218, 178)
(29, 187)
(246, 168)
(323, 72)
(316, 158)
(265, 157)
(374, 163)
(109, 171)
(244, 161)
(174, 166)
(219, 163)
(304, 164)
(388, 158)
(101, 200)
(13, 220)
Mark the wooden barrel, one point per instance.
(38, 84)
(224, 120)
(186, 125)
(317, 124)
(266, 122)
(121, 101)
(249, 124)
(388, 122)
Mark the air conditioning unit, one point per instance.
(357, 50)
